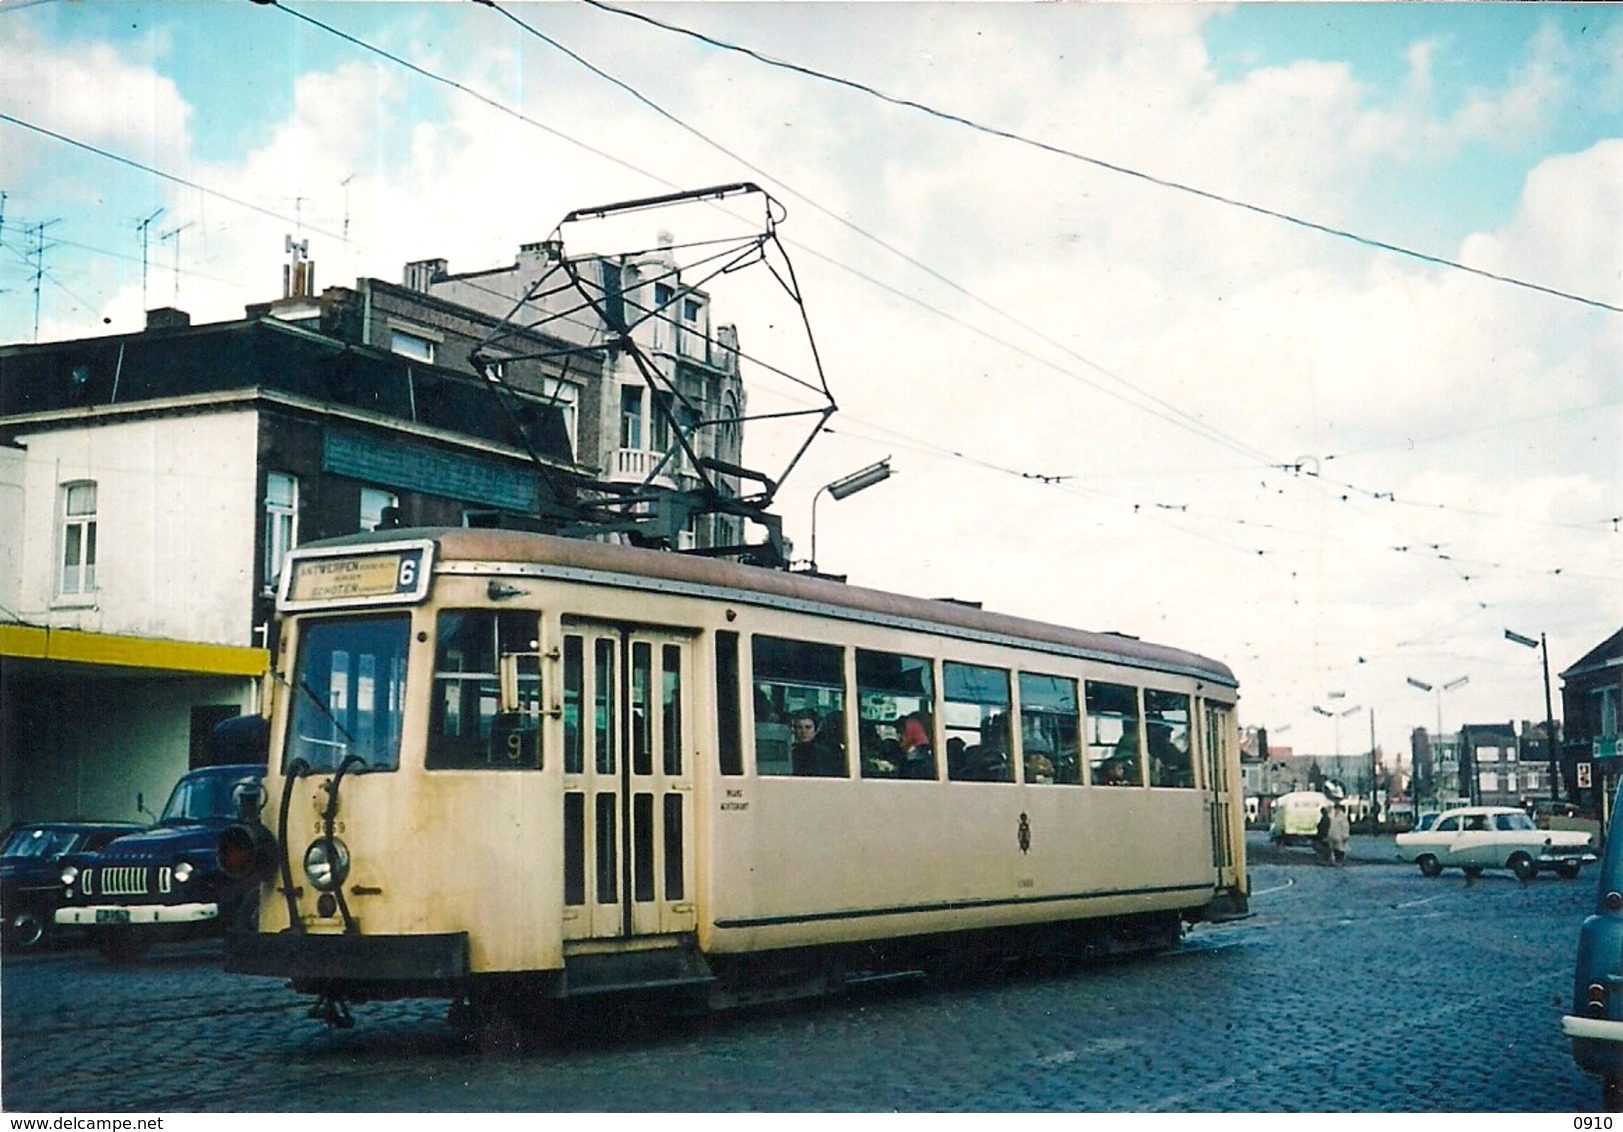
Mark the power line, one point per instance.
(1126, 171)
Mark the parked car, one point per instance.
(1595, 1024)
(31, 873)
(166, 881)
(1474, 838)
(1296, 816)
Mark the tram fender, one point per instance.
(361, 958)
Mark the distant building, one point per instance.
(1592, 704)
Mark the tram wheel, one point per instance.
(1429, 866)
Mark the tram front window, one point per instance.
(349, 682)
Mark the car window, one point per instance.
(38, 844)
(1512, 822)
(1448, 825)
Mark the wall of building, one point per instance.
(11, 528)
(88, 743)
(176, 526)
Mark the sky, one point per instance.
(1286, 333)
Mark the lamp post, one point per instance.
(1338, 716)
(857, 481)
(1459, 682)
(1549, 710)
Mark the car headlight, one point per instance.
(70, 873)
(183, 872)
(326, 863)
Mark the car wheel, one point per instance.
(1473, 871)
(1568, 870)
(1522, 865)
(1429, 865)
(25, 930)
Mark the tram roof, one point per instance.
(474, 544)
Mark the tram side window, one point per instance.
(799, 708)
(467, 729)
(1166, 725)
(1113, 726)
(895, 715)
(1049, 729)
(975, 713)
(729, 740)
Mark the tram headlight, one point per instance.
(326, 863)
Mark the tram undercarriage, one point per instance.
(674, 977)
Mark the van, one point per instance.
(1296, 816)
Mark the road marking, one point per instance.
(1277, 888)
(1418, 903)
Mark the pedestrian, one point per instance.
(1339, 833)
(1321, 836)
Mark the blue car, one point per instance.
(166, 882)
(31, 856)
(1595, 1024)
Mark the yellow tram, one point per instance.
(507, 767)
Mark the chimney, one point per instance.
(420, 273)
(167, 318)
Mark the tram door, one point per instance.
(1219, 737)
(627, 782)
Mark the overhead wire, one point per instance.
(1114, 167)
(1046, 478)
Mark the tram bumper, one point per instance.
(356, 960)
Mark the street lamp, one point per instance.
(1338, 716)
(857, 481)
(1459, 682)
(1549, 710)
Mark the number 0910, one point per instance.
(1592, 1123)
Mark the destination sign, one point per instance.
(393, 574)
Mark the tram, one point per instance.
(511, 768)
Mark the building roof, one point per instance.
(268, 353)
(1607, 654)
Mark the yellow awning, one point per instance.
(76, 647)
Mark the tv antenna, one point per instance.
(142, 227)
(174, 234)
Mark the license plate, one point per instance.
(112, 915)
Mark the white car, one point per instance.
(1474, 838)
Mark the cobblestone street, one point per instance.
(1366, 988)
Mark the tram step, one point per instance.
(671, 968)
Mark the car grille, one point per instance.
(127, 880)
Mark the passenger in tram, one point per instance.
(1114, 772)
(917, 760)
(812, 756)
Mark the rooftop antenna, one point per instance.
(344, 184)
(174, 234)
(142, 227)
(39, 265)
